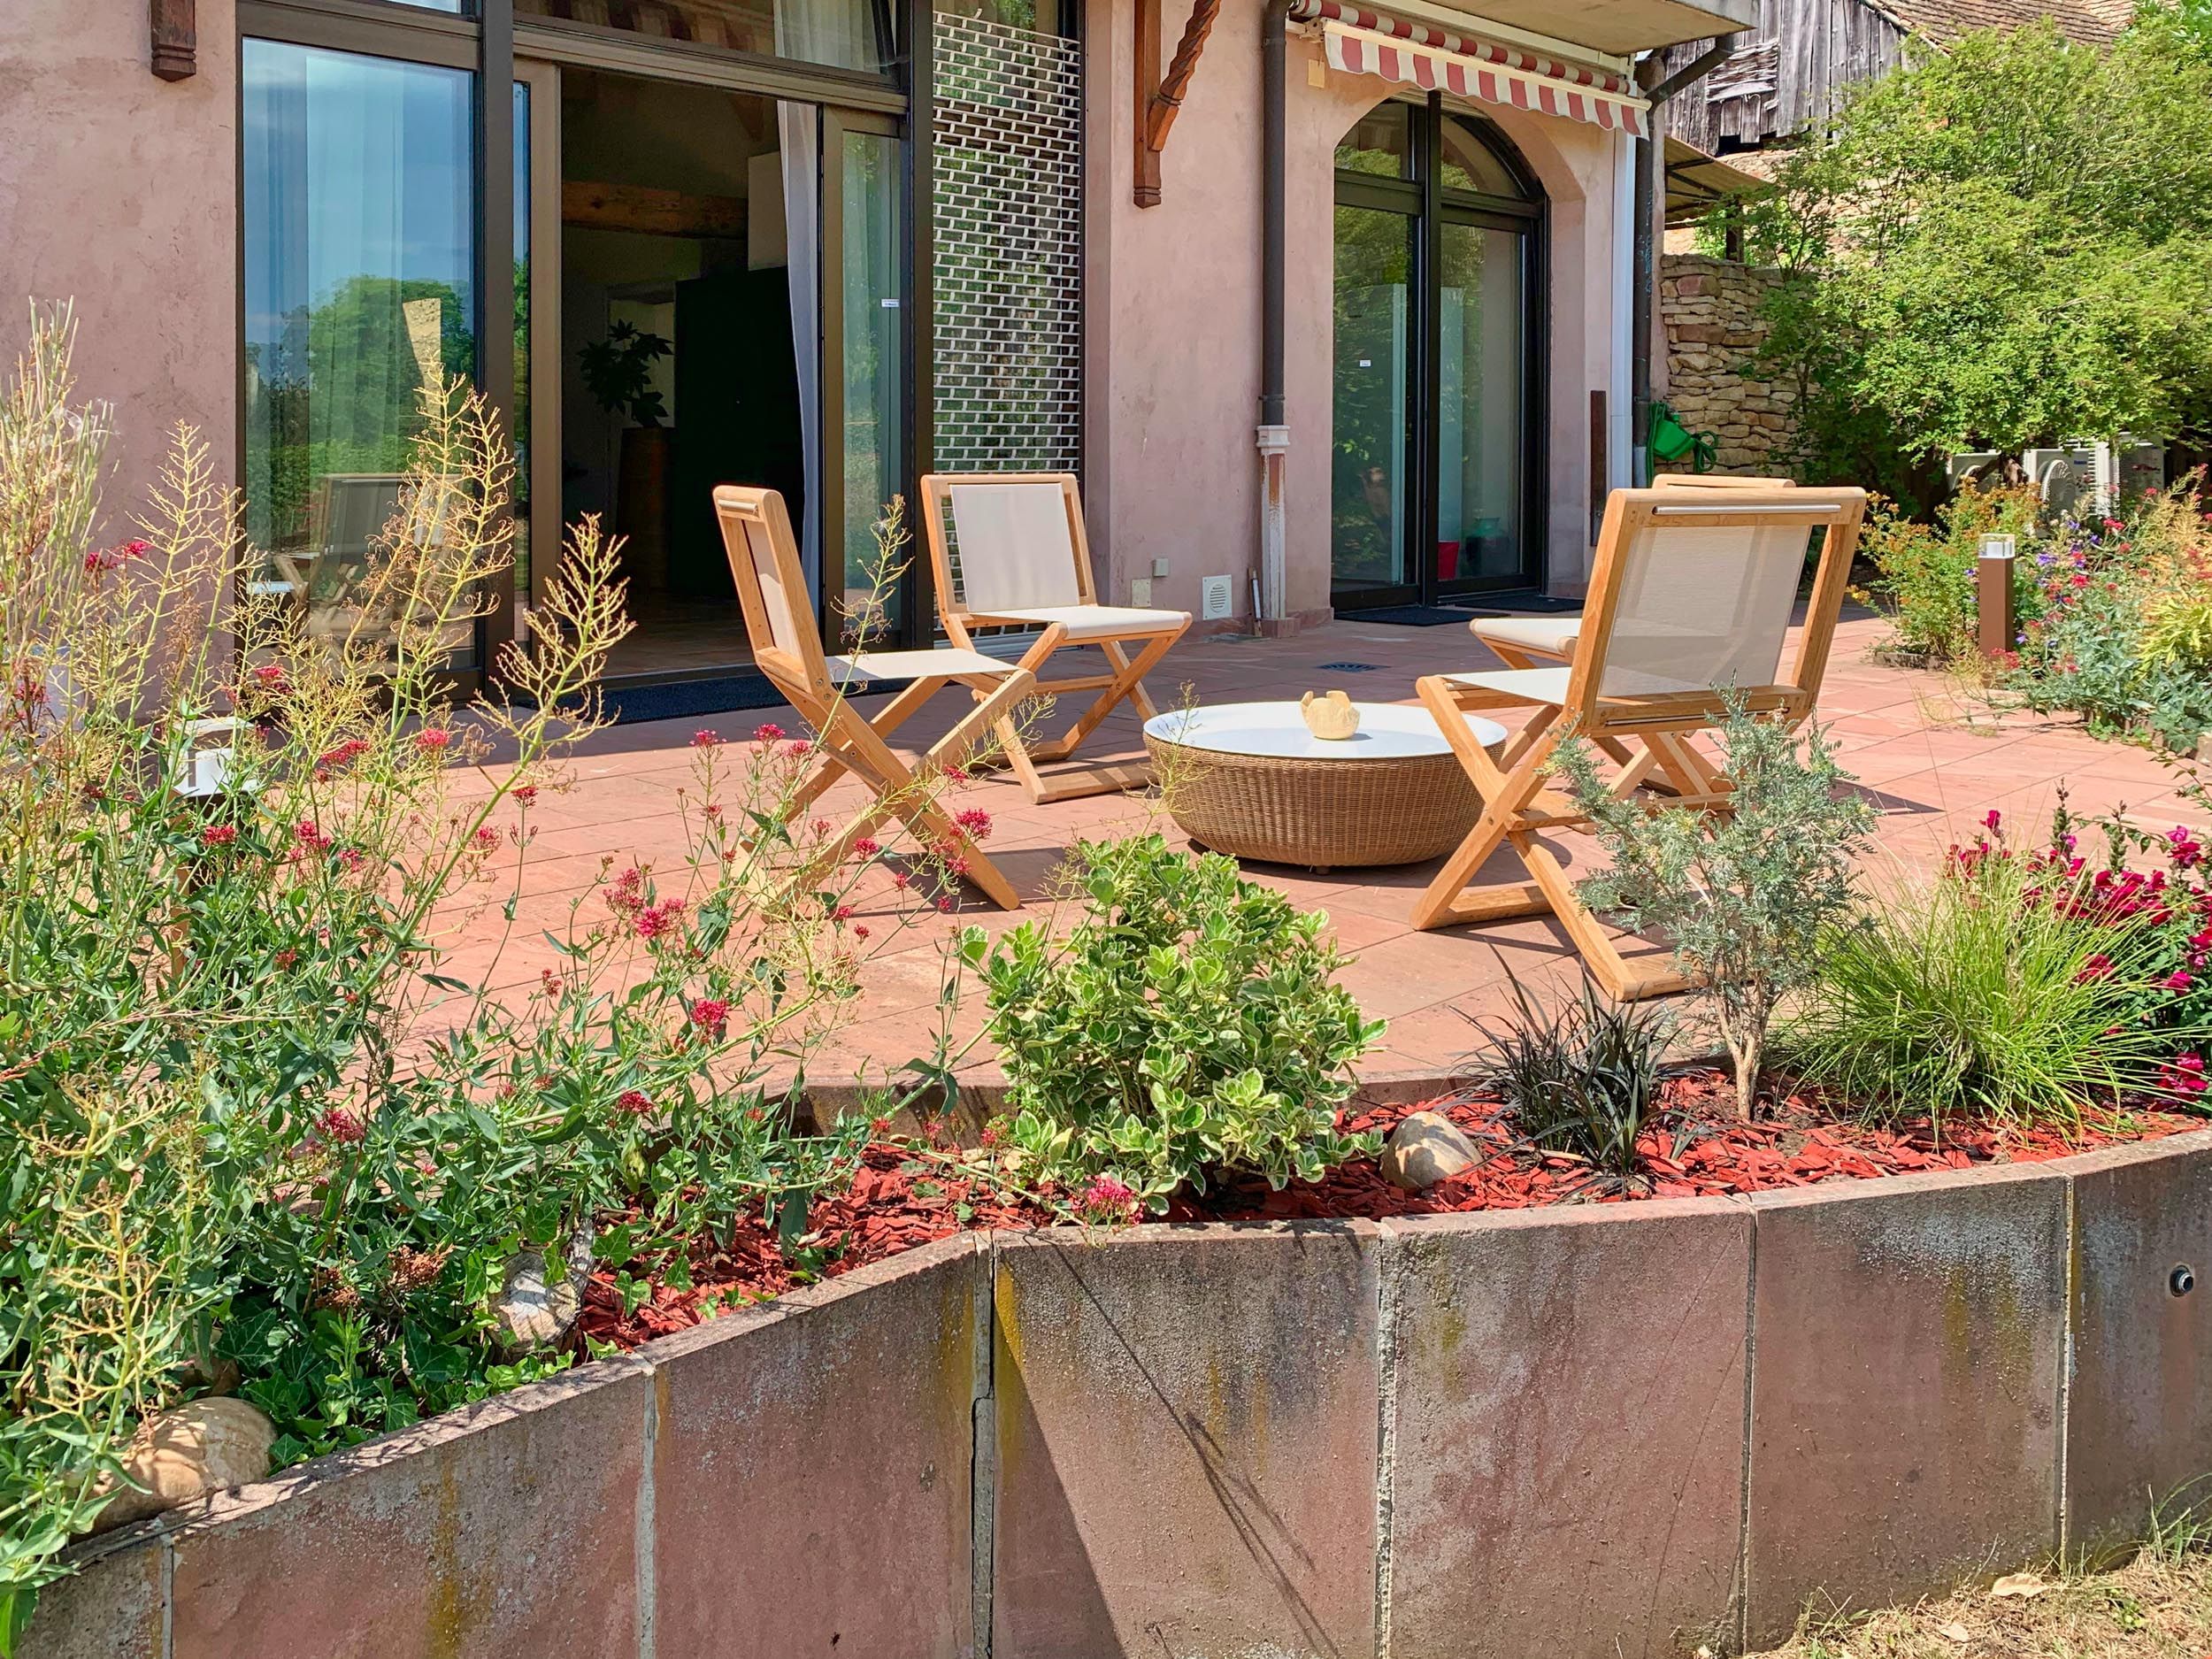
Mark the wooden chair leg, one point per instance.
(1127, 682)
(1621, 980)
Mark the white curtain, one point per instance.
(799, 129)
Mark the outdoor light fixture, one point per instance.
(176, 40)
(209, 755)
(1992, 596)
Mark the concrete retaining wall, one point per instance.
(1597, 1431)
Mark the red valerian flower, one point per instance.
(527, 793)
(218, 835)
(767, 732)
(975, 823)
(711, 1015)
(272, 678)
(342, 1125)
(486, 837)
(308, 834)
(705, 739)
(843, 913)
(948, 904)
(656, 921)
(632, 1102)
(865, 849)
(1110, 1199)
(432, 739)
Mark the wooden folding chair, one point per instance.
(764, 563)
(1522, 641)
(1692, 592)
(1015, 556)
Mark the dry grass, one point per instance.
(2158, 1606)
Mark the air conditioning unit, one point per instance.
(1216, 598)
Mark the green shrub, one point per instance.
(246, 1112)
(2000, 988)
(1748, 897)
(1186, 1029)
(1584, 1081)
(1926, 571)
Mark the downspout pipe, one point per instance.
(1645, 276)
(1274, 436)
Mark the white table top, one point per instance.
(1387, 731)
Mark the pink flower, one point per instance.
(342, 1125)
(948, 904)
(1993, 820)
(656, 921)
(2178, 981)
(2098, 967)
(859, 931)
(486, 837)
(632, 1102)
(705, 739)
(2185, 1074)
(710, 1014)
(1109, 1198)
(351, 858)
(433, 740)
(843, 913)
(527, 793)
(798, 750)
(308, 834)
(271, 678)
(218, 835)
(975, 823)
(767, 732)
(2182, 849)
(865, 849)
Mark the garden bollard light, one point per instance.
(1992, 596)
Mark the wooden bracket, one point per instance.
(173, 27)
(1159, 96)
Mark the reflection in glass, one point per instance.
(1380, 143)
(359, 248)
(873, 208)
(1471, 164)
(1367, 482)
(1478, 404)
(844, 33)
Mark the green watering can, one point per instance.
(1670, 442)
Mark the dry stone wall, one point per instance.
(1710, 308)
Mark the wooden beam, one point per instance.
(175, 38)
(1160, 96)
(651, 212)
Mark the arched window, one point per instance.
(1438, 372)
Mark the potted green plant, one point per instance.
(618, 374)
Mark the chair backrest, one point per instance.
(1718, 480)
(771, 588)
(1693, 589)
(1005, 540)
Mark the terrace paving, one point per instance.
(1933, 760)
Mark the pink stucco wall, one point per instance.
(118, 192)
(1174, 318)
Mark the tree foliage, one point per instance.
(2003, 244)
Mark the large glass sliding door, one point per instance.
(1436, 359)
(733, 206)
(360, 303)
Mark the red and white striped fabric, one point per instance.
(1363, 42)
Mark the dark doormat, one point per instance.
(689, 699)
(1528, 604)
(1406, 616)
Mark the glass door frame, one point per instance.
(1424, 200)
(485, 38)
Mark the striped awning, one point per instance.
(1362, 42)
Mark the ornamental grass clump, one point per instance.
(249, 1117)
(1187, 1029)
(2013, 988)
(1748, 898)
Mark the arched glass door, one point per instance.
(1437, 361)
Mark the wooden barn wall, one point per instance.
(1785, 73)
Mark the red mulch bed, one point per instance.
(900, 1199)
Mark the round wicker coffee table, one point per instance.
(1249, 779)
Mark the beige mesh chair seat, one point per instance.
(1520, 641)
(1692, 592)
(765, 564)
(1008, 550)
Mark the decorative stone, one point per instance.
(538, 1304)
(1331, 716)
(179, 1455)
(1426, 1149)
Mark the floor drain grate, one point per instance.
(1351, 668)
